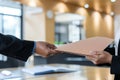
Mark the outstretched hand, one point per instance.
(45, 49)
(100, 57)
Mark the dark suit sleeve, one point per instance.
(110, 48)
(115, 64)
(16, 48)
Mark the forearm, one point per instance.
(16, 48)
(110, 49)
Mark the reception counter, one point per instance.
(82, 73)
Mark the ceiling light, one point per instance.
(86, 5)
(113, 0)
(112, 13)
(32, 3)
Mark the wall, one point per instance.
(34, 25)
(95, 24)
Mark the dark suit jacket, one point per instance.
(14, 47)
(115, 65)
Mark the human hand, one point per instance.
(45, 49)
(100, 57)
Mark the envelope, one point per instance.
(83, 47)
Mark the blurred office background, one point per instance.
(58, 22)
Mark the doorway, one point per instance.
(69, 28)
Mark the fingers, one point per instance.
(52, 50)
(50, 54)
(94, 57)
(45, 49)
(51, 46)
(93, 60)
(93, 54)
(99, 57)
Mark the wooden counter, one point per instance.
(82, 73)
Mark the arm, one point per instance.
(22, 49)
(102, 57)
(16, 48)
(115, 62)
(110, 49)
(106, 56)
(115, 65)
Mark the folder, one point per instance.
(83, 47)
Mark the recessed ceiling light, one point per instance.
(86, 5)
(112, 13)
(32, 3)
(113, 0)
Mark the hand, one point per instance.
(100, 57)
(45, 49)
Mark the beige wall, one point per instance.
(95, 24)
(34, 26)
(50, 29)
(37, 26)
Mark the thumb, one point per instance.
(93, 52)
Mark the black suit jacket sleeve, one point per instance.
(115, 64)
(16, 48)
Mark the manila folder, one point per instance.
(83, 47)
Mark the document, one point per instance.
(40, 70)
(83, 47)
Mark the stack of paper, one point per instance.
(83, 47)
